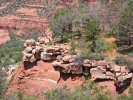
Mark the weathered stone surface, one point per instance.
(86, 61)
(123, 69)
(102, 63)
(72, 64)
(108, 73)
(123, 80)
(58, 58)
(87, 65)
(28, 49)
(66, 58)
(99, 74)
(57, 64)
(117, 68)
(93, 63)
(118, 74)
(67, 63)
(71, 60)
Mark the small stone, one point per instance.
(117, 74)
(86, 61)
(108, 73)
(59, 57)
(102, 63)
(28, 49)
(123, 74)
(123, 69)
(71, 60)
(117, 68)
(66, 58)
(87, 65)
(72, 64)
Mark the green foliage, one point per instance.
(3, 86)
(57, 94)
(92, 29)
(100, 46)
(92, 56)
(20, 95)
(123, 61)
(96, 56)
(10, 53)
(68, 21)
(123, 30)
(87, 91)
(73, 46)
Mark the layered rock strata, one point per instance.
(74, 64)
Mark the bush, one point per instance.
(11, 50)
(92, 56)
(73, 47)
(87, 91)
(123, 61)
(123, 29)
(20, 96)
(58, 94)
(99, 46)
(3, 86)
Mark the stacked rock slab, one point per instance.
(122, 76)
(74, 64)
(97, 69)
(101, 70)
(40, 50)
(68, 64)
(29, 49)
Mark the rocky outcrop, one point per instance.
(122, 76)
(74, 64)
(97, 69)
(69, 64)
(40, 50)
(5, 72)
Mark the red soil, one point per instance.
(110, 40)
(40, 76)
(4, 37)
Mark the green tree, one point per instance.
(92, 29)
(124, 29)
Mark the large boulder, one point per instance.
(123, 80)
(101, 73)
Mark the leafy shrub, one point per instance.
(73, 47)
(20, 96)
(122, 61)
(123, 29)
(82, 45)
(87, 91)
(58, 94)
(96, 56)
(11, 50)
(92, 56)
(3, 86)
(100, 46)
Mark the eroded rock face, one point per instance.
(40, 50)
(69, 64)
(74, 64)
(122, 76)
